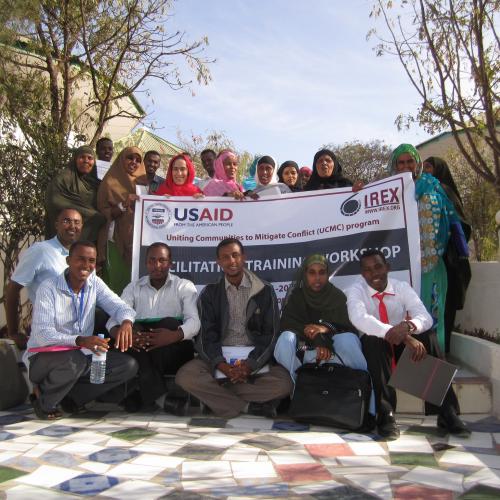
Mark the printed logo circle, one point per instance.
(158, 215)
(350, 207)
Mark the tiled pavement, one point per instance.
(113, 455)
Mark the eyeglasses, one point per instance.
(76, 222)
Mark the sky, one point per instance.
(289, 77)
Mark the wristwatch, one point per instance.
(411, 326)
(121, 207)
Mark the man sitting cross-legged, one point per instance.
(166, 321)
(240, 311)
(391, 315)
(61, 343)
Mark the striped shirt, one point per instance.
(59, 315)
(237, 298)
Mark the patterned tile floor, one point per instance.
(108, 454)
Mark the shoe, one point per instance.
(69, 406)
(450, 422)
(132, 403)
(387, 427)
(369, 423)
(267, 409)
(177, 407)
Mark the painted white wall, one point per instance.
(482, 304)
(481, 356)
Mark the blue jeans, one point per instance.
(347, 346)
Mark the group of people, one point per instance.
(159, 323)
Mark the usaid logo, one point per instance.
(203, 215)
(158, 215)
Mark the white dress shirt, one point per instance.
(59, 316)
(401, 303)
(176, 298)
(42, 260)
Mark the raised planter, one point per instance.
(481, 356)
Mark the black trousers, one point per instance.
(378, 354)
(153, 365)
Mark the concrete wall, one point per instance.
(482, 357)
(482, 305)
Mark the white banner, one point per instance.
(279, 231)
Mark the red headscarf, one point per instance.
(171, 188)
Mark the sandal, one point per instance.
(54, 414)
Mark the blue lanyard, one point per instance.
(78, 311)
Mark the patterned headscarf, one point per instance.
(401, 149)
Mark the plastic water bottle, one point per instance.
(98, 366)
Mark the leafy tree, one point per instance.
(90, 55)
(480, 206)
(450, 51)
(217, 140)
(365, 161)
(66, 69)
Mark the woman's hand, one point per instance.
(310, 331)
(323, 354)
(198, 195)
(357, 186)
(237, 195)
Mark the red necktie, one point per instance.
(384, 317)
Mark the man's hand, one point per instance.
(241, 371)
(226, 369)
(418, 349)
(323, 354)
(93, 343)
(160, 337)
(235, 373)
(310, 331)
(123, 338)
(397, 334)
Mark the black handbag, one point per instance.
(331, 394)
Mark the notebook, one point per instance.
(428, 379)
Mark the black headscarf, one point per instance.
(267, 159)
(303, 306)
(442, 173)
(336, 180)
(287, 164)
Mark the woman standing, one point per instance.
(224, 182)
(267, 180)
(327, 172)
(116, 200)
(76, 187)
(457, 268)
(180, 177)
(435, 215)
(288, 174)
